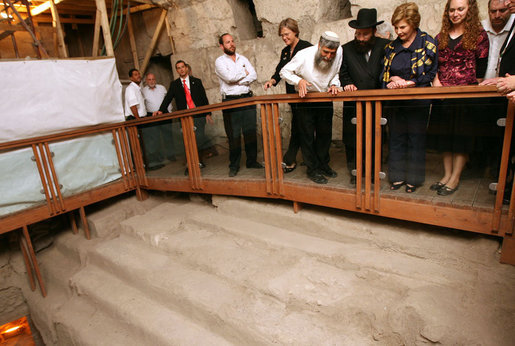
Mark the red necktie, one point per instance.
(189, 100)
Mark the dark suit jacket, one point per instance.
(176, 91)
(356, 70)
(508, 58)
(285, 58)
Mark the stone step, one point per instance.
(79, 323)
(337, 253)
(300, 282)
(418, 240)
(157, 224)
(106, 218)
(56, 270)
(240, 314)
(136, 310)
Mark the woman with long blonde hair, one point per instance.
(462, 60)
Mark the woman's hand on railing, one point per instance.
(397, 82)
(436, 81)
(269, 84)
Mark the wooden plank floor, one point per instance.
(473, 191)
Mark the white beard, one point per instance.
(322, 64)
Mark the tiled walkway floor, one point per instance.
(472, 192)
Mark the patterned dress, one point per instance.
(454, 124)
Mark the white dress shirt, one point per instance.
(231, 74)
(153, 97)
(302, 66)
(496, 41)
(133, 97)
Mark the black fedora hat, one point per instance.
(367, 18)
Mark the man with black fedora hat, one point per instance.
(361, 68)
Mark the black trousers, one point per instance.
(236, 122)
(407, 157)
(290, 156)
(315, 124)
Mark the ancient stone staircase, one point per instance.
(234, 271)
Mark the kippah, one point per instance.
(331, 36)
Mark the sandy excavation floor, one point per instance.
(247, 272)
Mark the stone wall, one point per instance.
(196, 25)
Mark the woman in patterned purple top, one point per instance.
(462, 60)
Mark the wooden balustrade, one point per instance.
(365, 197)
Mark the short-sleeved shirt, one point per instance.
(458, 66)
(134, 97)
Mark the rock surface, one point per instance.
(237, 271)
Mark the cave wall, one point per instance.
(196, 25)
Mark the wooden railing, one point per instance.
(365, 197)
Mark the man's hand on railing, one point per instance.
(333, 89)
(490, 81)
(157, 113)
(506, 84)
(511, 97)
(303, 87)
(350, 87)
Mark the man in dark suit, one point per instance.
(507, 60)
(188, 92)
(361, 68)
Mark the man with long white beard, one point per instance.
(315, 69)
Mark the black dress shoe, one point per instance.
(153, 168)
(255, 164)
(200, 164)
(317, 178)
(328, 172)
(436, 186)
(233, 172)
(411, 188)
(446, 190)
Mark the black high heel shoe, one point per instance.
(397, 185)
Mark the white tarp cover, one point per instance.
(41, 97)
(80, 165)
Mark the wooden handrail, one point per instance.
(359, 95)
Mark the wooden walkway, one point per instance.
(473, 191)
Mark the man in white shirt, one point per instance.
(315, 69)
(235, 73)
(135, 109)
(134, 101)
(154, 94)
(497, 26)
